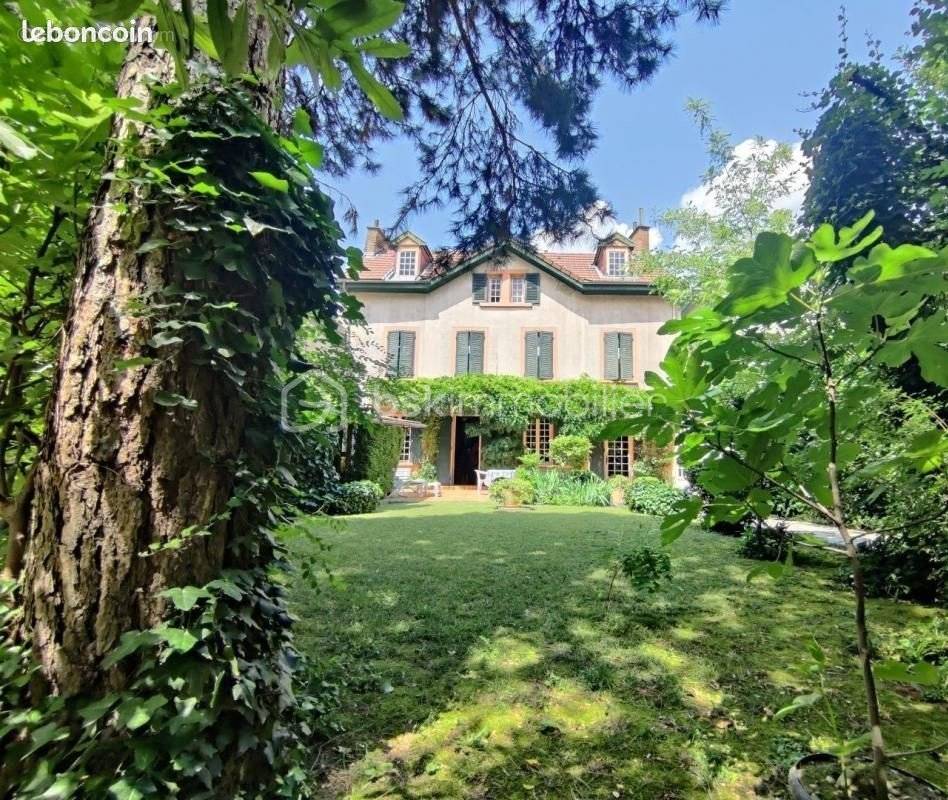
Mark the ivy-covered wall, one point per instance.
(508, 403)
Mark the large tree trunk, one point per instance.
(117, 471)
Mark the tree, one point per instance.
(162, 472)
(744, 190)
(808, 346)
(475, 69)
(880, 139)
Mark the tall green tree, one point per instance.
(743, 195)
(880, 142)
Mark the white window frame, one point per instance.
(617, 268)
(492, 282)
(407, 263)
(618, 456)
(518, 289)
(405, 454)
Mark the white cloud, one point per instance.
(702, 196)
(591, 230)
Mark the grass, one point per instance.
(466, 653)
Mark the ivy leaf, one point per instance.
(178, 639)
(94, 711)
(130, 642)
(123, 364)
(271, 181)
(184, 598)
(171, 399)
(134, 713)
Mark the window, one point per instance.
(400, 357)
(493, 288)
(517, 289)
(618, 352)
(618, 456)
(405, 454)
(407, 263)
(538, 355)
(536, 439)
(615, 264)
(469, 352)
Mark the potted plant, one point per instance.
(762, 396)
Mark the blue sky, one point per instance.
(752, 68)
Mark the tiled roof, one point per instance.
(579, 266)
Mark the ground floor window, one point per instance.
(618, 457)
(536, 438)
(406, 446)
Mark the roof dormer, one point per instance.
(412, 257)
(615, 252)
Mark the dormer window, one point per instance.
(616, 263)
(407, 263)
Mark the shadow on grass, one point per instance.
(471, 655)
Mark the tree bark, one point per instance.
(117, 471)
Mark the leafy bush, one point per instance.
(766, 543)
(909, 564)
(652, 496)
(557, 488)
(570, 452)
(314, 472)
(501, 451)
(357, 497)
(647, 568)
(922, 643)
(428, 472)
(511, 492)
(377, 448)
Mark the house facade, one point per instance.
(509, 311)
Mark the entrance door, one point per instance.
(467, 451)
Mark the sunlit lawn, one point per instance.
(468, 653)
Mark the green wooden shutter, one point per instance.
(478, 287)
(545, 366)
(532, 288)
(625, 356)
(531, 360)
(612, 356)
(475, 362)
(392, 353)
(461, 352)
(406, 354)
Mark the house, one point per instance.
(509, 310)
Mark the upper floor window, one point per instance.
(618, 352)
(400, 356)
(538, 355)
(407, 263)
(468, 352)
(505, 288)
(615, 263)
(494, 284)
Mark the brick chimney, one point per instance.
(375, 241)
(639, 236)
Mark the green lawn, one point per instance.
(467, 653)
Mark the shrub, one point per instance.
(927, 643)
(314, 472)
(357, 497)
(428, 472)
(501, 451)
(910, 564)
(647, 568)
(557, 488)
(377, 448)
(511, 492)
(765, 543)
(570, 452)
(652, 496)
